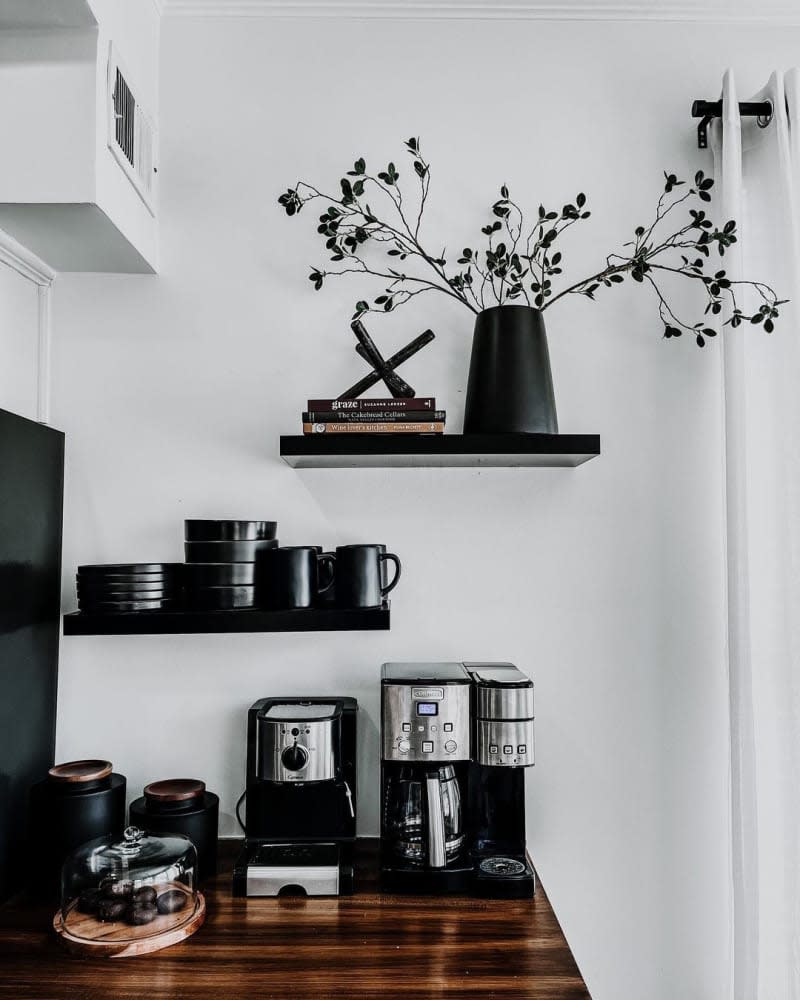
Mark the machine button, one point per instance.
(420, 729)
(406, 727)
(451, 746)
(492, 748)
(294, 758)
(295, 731)
(427, 746)
(508, 749)
(522, 748)
(403, 746)
(448, 727)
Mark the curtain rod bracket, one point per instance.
(707, 111)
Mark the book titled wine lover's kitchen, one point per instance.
(370, 405)
(378, 427)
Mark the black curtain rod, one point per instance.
(708, 110)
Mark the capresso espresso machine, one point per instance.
(456, 739)
(300, 798)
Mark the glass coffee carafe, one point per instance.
(424, 819)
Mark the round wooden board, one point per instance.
(120, 940)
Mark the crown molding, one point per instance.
(21, 260)
(17, 257)
(757, 13)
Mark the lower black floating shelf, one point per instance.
(241, 620)
(353, 451)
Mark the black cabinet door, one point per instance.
(31, 504)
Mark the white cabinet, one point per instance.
(78, 113)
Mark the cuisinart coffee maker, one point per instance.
(300, 798)
(456, 739)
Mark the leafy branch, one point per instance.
(518, 263)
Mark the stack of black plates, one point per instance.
(115, 587)
(221, 562)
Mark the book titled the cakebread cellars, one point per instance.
(378, 427)
(378, 416)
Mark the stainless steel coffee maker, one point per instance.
(425, 738)
(456, 739)
(301, 807)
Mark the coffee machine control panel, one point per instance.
(426, 716)
(503, 710)
(296, 742)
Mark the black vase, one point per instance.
(510, 388)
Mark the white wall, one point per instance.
(19, 343)
(603, 582)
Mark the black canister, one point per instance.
(182, 805)
(75, 803)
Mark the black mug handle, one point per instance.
(327, 557)
(397, 568)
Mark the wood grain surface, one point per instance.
(362, 947)
(80, 771)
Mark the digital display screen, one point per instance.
(427, 708)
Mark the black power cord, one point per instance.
(238, 805)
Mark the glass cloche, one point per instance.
(130, 895)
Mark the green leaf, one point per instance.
(359, 167)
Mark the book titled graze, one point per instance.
(376, 427)
(384, 416)
(372, 405)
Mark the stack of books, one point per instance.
(414, 415)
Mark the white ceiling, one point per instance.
(742, 11)
(32, 14)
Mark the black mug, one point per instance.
(289, 577)
(360, 577)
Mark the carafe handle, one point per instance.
(433, 794)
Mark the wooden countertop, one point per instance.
(369, 945)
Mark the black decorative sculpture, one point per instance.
(383, 369)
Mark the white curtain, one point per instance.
(758, 173)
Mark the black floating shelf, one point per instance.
(354, 451)
(243, 620)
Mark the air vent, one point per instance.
(131, 135)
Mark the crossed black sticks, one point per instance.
(383, 369)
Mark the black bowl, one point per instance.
(230, 531)
(219, 598)
(219, 574)
(226, 552)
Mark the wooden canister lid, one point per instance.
(78, 771)
(174, 790)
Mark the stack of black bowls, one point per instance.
(221, 562)
(120, 587)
